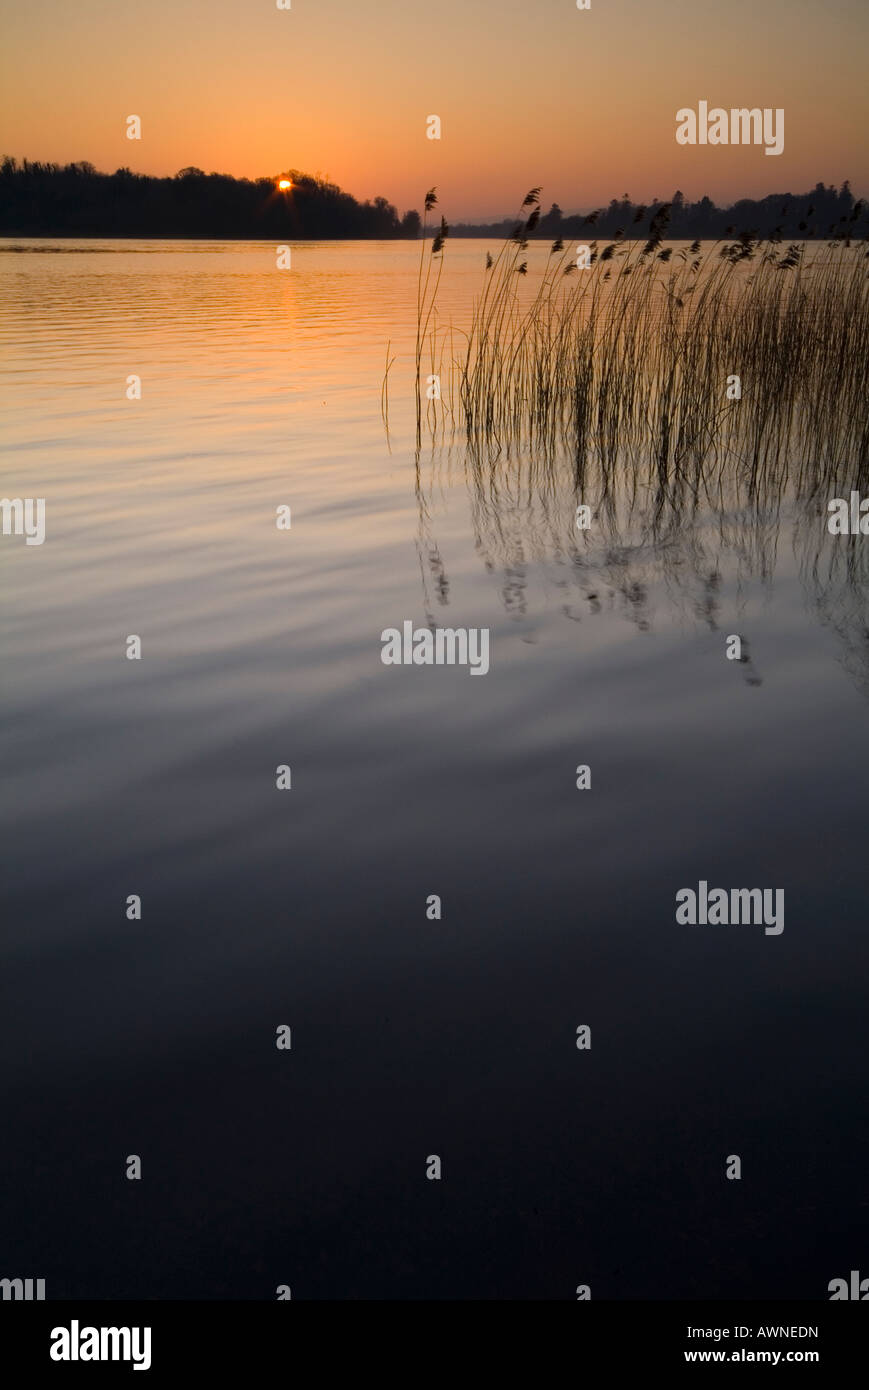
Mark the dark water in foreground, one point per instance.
(308, 908)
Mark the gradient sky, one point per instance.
(528, 91)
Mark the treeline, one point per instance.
(75, 200)
(824, 212)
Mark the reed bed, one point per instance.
(629, 360)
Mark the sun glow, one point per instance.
(285, 183)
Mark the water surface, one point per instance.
(308, 908)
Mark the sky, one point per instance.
(528, 92)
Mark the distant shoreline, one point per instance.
(77, 202)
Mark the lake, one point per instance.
(412, 1035)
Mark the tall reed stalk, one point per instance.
(637, 354)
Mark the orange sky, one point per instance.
(528, 92)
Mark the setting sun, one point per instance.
(285, 183)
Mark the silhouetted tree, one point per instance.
(75, 200)
(821, 213)
(411, 224)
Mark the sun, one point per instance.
(285, 183)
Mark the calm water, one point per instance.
(410, 1037)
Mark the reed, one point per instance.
(630, 358)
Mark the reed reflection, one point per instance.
(649, 538)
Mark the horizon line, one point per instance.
(476, 220)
